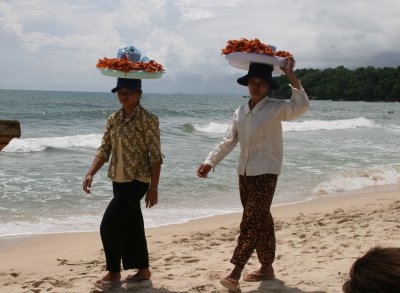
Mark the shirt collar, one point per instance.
(257, 108)
(120, 114)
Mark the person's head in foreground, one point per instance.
(378, 271)
(129, 91)
(258, 79)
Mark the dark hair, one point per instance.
(378, 271)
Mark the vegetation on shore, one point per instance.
(361, 84)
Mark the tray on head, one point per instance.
(140, 74)
(242, 60)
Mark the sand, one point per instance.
(317, 241)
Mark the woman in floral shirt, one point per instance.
(131, 142)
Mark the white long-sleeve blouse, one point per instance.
(259, 133)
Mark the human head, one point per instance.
(259, 70)
(378, 271)
(127, 83)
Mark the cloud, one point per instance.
(9, 20)
(65, 38)
(74, 31)
(135, 14)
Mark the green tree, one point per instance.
(361, 84)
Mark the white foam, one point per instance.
(312, 125)
(81, 223)
(393, 128)
(355, 179)
(212, 127)
(50, 225)
(308, 125)
(42, 143)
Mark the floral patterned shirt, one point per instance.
(140, 143)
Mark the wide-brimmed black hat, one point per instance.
(127, 83)
(259, 70)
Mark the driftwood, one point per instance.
(8, 130)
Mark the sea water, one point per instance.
(335, 147)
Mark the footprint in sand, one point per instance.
(215, 275)
(291, 243)
(181, 240)
(37, 283)
(169, 277)
(189, 259)
(169, 258)
(203, 288)
(192, 260)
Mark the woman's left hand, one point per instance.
(151, 198)
(288, 71)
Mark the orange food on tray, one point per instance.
(251, 46)
(126, 65)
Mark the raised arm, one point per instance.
(299, 102)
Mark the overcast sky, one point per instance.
(55, 44)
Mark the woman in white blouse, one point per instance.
(258, 129)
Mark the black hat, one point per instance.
(259, 70)
(127, 83)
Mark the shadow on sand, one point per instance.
(278, 286)
(271, 286)
(137, 290)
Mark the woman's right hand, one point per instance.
(203, 170)
(87, 183)
(288, 71)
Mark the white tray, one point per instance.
(132, 74)
(242, 60)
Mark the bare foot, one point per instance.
(262, 274)
(113, 277)
(141, 275)
(231, 284)
(266, 270)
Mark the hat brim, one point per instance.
(244, 80)
(116, 89)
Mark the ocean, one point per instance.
(335, 147)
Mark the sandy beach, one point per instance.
(317, 241)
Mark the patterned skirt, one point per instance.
(257, 226)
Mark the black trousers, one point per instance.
(122, 228)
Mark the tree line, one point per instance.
(361, 84)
